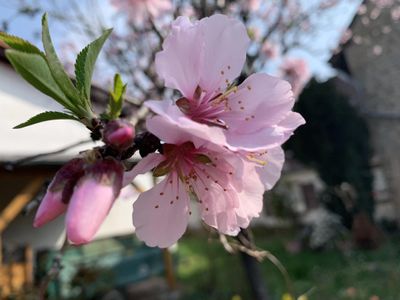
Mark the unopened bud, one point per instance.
(92, 199)
(119, 134)
(59, 192)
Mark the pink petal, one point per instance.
(50, 208)
(146, 164)
(287, 126)
(218, 212)
(89, 206)
(225, 46)
(160, 215)
(263, 98)
(182, 129)
(271, 172)
(179, 63)
(208, 53)
(261, 102)
(251, 196)
(266, 138)
(222, 192)
(291, 121)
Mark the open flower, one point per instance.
(228, 186)
(202, 60)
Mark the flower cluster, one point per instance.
(218, 144)
(221, 140)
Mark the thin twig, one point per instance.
(259, 254)
(11, 165)
(53, 272)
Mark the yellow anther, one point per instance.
(223, 97)
(256, 160)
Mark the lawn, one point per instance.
(206, 271)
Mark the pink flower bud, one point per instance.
(92, 200)
(119, 134)
(59, 191)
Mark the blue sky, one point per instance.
(339, 19)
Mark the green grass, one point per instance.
(206, 271)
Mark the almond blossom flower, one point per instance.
(202, 60)
(270, 50)
(228, 186)
(139, 10)
(296, 71)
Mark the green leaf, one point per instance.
(46, 116)
(56, 68)
(85, 62)
(34, 69)
(116, 98)
(19, 44)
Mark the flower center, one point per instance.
(207, 109)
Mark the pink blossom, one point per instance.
(270, 50)
(383, 3)
(395, 13)
(357, 39)
(139, 10)
(92, 199)
(375, 13)
(187, 10)
(119, 134)
(346, 36)
(252, 5)
(202, 60)
(58, 192)
(377, 50)
(328, 4)
(365, 20)
(362, 9)
(227, 186)
(296, 71)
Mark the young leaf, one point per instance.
(56, 68)
(34, 69)
(116, 98)
(19, 44)
(85, 62)
(46, 116)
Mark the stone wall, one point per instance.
(373, 57)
